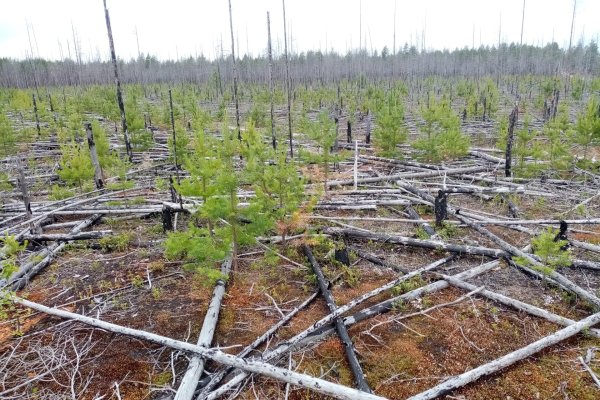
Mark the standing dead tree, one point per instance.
(287, 82)
(113, 57)
(271, 88)
(235, 76)
(512, 121)
(37, 118)
(98, 176)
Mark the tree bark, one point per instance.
(351, 356)
(507, 360)
(98, 176)
(287, 82)
(235, 77)
(259, 367)
(271, 87)
(188, 384)
(512, 120)
(113, 57)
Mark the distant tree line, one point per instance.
(313, 66)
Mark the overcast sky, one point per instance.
(179, 28)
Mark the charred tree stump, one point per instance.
(113, 57)
(324, 286)
(172, 190)
(512, 120)
(167, 218)
(98, 177)
(441, 208)
(37, 119)
(562, 234)
(349, 131)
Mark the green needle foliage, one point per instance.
(75, 165)
(8, 138)
(10, 251)
(549, 251)
(323, 132)
(587, 130)
(390, 132)
(441, 127)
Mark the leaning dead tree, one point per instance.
(113, 57)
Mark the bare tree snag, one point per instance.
(349, 131)
(287, 82)
(188, 384)
(368, 127)
(259, 367)
(235, 77)
(512, 121)
(98, 176)
(113, 57)
(271, 87)
(37, 118)
(174, 138)
(507, 360)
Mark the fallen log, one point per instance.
(507, 360)
(516, 304)
(351, 356)
(258, 367)
(188, 384)
(66, 237)
(407, 241)
(413, 175)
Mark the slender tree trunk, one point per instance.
(113, 57)
(287, 82)
(37, 119)
(235, 78)
(174, 138)
(512, 121)
(271, 88)
(98, 177)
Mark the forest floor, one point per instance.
(128, 281)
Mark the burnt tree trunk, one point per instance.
(349, 132)
(113, 57)
(441, 208)
(174, 138)
(235, 79)
(37, 119)
(287, 82)
(324, 285)
(271, 88)
(98, 177)
(512, 121)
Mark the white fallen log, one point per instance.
(188, 384)
(507, 360)
(253, 366)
